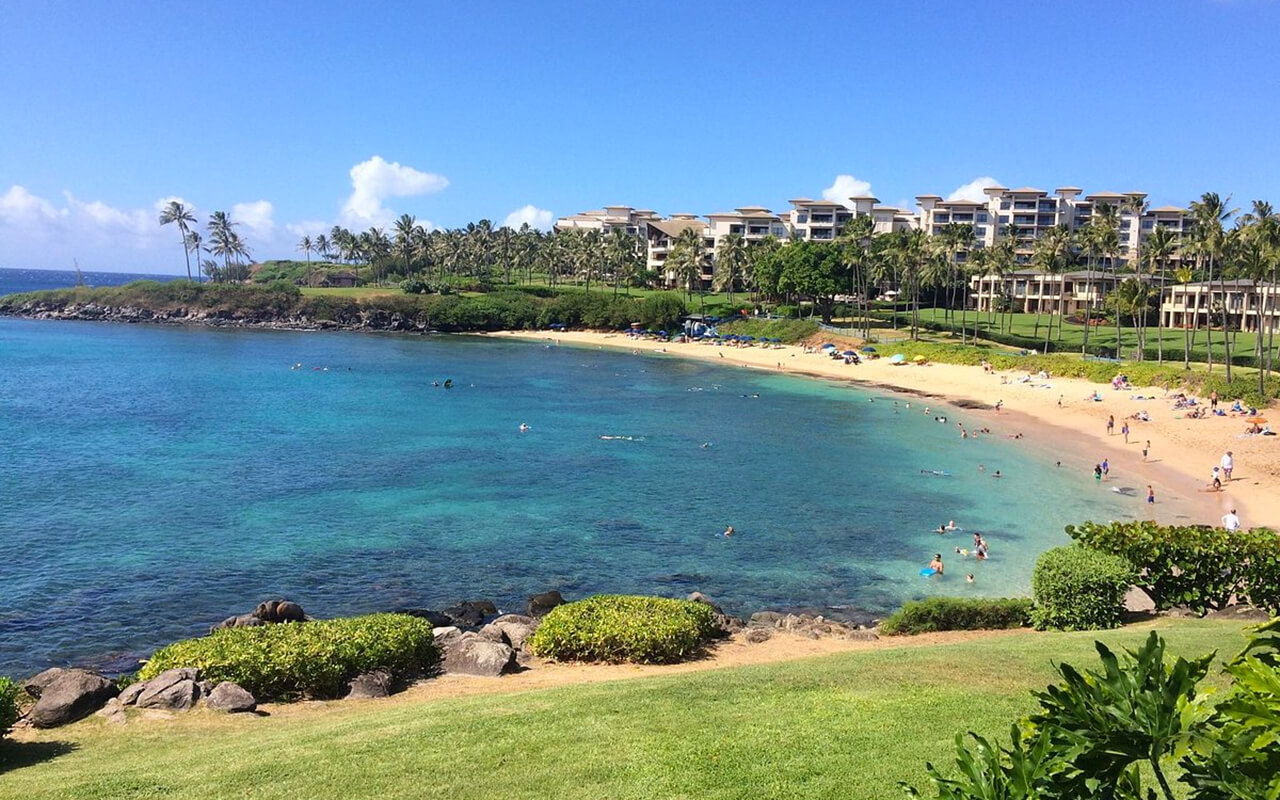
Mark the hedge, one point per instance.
(1076, 588)
(312, 659)
(8, 704)
(624, 629)
(1195, 566)
(958, 614)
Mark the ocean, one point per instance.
(13, 281)
(156, 480)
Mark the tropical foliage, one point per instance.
(8, 704)
(1193, 566)
(1076, 588)
(624, 628)
(958, 614)
(304, 659)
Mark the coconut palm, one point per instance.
(305, 245)
(730, 258)
(1184, 275)
(322, 247)
(404, 227)
(1156, 252)
(223, 240)
(1211, 215)
(177, 213)
(687, 258)
(1263, 225)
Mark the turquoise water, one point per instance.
(156, 480)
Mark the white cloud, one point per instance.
(539, 218)
(18, 205)
(309, 227)
(375, 180)
(256, 218)
(844, 187)
(972, 190)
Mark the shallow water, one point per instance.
(156, 480)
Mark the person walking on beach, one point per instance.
(1124, 428)
(1106, 468)
(1228, 463)
(1230, 521)
(1151, 495)
(1111, 425)
(1215, 480)
(1146, 448)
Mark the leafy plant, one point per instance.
(1196, 566)
(624, 628)
(990, 772)
(958, 614)
(313, 659)
(8, 704)
(1076, 588)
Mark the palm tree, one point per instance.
(404, 239)
(622, 250)
(1050, 255)
(193, 242)
(1263, 225)
(730, 258)
(1211, 215)
(176, 212)
(305, 245)
(322, 246)
(687, 258)
(1157, 250)
(223, 240)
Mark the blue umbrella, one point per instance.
(868, 349)
(848, 353)
(828, 346)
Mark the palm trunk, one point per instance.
(1226, 325)
(1160, 322)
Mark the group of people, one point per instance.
(936, 568)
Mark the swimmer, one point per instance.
(936, 564)
(941, 529)
(969, 578)
(524, 428)
(705, 445)
(982, 468)
(448, 383)
(951, 525)
(728, 531)
(996, 474)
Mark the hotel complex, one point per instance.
(1026, 214)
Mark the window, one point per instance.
(982, 216)
(802, 219)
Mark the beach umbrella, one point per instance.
(919, 359)
(828, 346)
(848, 353)
(868, 349)
(897, 358)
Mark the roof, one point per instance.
(674, 227)
(1026, 190)
(753, 209)
(1168, 210)
(1062, 189)
(928, 197)
(961, 203)
(872, 198)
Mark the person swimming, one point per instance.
(524, 428)
(951, 525)
(448, 383)
(728, 531)
(941, 528)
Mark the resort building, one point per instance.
(1036, 292)
(1250, 305)
(608, 219)
(660, 238)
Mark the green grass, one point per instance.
(850, 725)
(358, 292)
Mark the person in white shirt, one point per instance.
(1228, 463)
(1230, 521)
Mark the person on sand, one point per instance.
(1106, 468)
(1228, 463)
(1111, 425)
(1213, 400)
(1124, 428)
(999, 405)
(1146, 448)
(1215, 480)
(936, 564)
(1151, 495)
(1230, 521)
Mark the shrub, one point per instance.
(415, 285)
(313, 659)
(1195, 566)
(8, 704)
(624, 628)
(1077, 588)
(662, 311)
(958, 614)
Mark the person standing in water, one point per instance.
(1151, 495)
(936, 564)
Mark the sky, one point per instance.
(296, 116)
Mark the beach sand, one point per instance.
(1183, 451)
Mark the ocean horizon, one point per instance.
(17, 280)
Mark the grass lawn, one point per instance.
(1103, 335)
(847, 726)
(358, 292)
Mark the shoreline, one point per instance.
(1183, 451)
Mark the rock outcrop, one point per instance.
(369, 685)
(510, 629)
(543, 602)
(171, 690)
(808, 625)
(231, 698)
(267, 612)
(473, 654)
(66, 695)
(726, 624)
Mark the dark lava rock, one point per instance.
(436, 619)
(369, 685)
(231, 698)
(472, 654)
(541, 603)
(66, 697)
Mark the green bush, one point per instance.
(958, 614)
(8, 704)
(312, 659)
(1195, 566)
(790, 331)
(624, 628)
(662, 311)
(1076, 588)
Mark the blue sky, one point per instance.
(477, 110)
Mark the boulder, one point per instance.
(369, 685)
(541, 603)
(238, 621)
(173, 690)
(36, 684)
(510, 629)
(113, 712)
(129, 695)
(279, 611)
(231, 698)
(758, 635)
(470, 614)
(472, 654)
(72, 695)
(436, 619)
(765, 619)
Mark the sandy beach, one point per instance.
(1054, 416)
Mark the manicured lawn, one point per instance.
(847, 726)
(358, 292)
